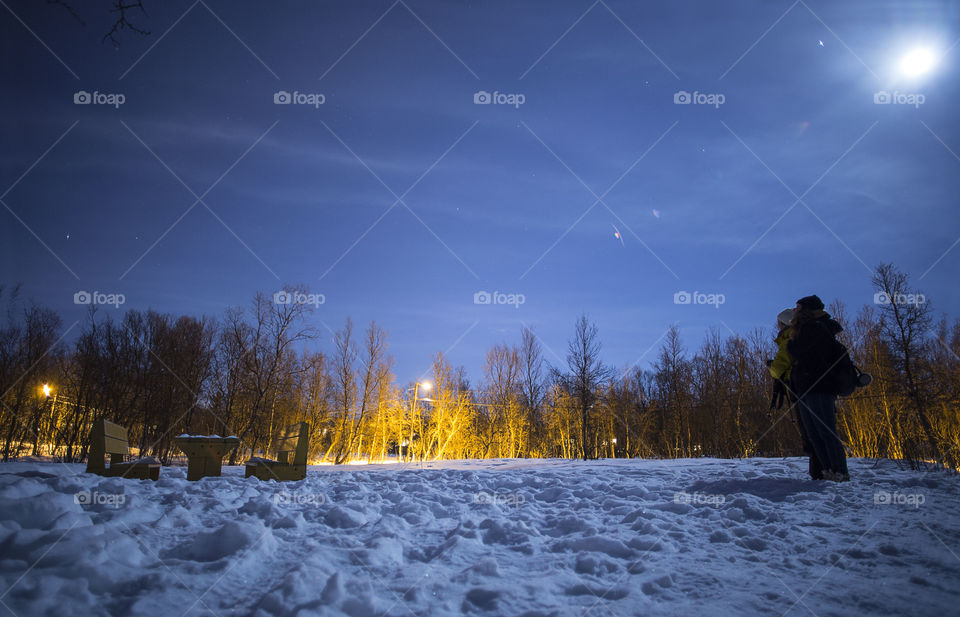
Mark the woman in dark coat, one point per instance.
(811, 346)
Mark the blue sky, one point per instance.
(517, 199)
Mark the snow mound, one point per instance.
(506, 537)
(230, 539)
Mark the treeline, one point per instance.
(257, 369)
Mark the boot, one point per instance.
(835, 476)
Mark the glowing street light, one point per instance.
(426, 385)
(47, 390)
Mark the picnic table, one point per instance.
(204, 453)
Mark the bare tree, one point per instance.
(122, 11)
(584, 379)
(277, 327)
(533, 386)
(672, 377)
(357, 390)
(122, 21)
(905, 324)
(501, 379)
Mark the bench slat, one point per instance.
(289, 446)
(114, 430)
(112, 445)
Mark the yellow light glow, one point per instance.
(46, 389)
(426, 385)
(389, 461)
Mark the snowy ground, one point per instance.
(503, 537)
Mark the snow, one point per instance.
(149, 460)
(503, 537)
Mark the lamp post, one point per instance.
(45, 391)
(416, 389)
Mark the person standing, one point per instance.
(810, 346)
(783, 390)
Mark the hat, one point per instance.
(785, 317)
(811, 303)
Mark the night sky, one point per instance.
(399, 198)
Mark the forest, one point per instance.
(261, 367)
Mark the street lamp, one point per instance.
(426, 385)
(45, 391)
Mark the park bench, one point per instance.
(290, 445)
(109, 438)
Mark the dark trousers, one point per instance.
(818, 416)
(815, 468)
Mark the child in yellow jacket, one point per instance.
(780, 367)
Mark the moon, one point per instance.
(917, 62)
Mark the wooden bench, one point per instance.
(109, 438)
(291, 441)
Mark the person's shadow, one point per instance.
(771, 489)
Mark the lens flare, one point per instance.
(918, 62)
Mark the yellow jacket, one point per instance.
(780, 367)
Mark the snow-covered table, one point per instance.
(204, 453)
